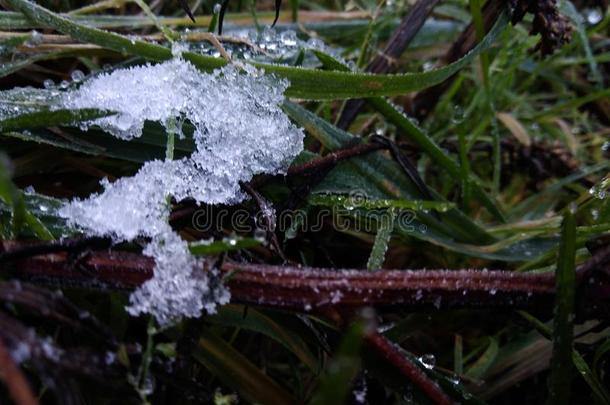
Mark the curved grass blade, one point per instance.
(235, 370)
(599, 391)
(484, 362)
(427, 144)
(278, 4)
(186, 9)
(20, 215)
(304, 83)
(254, 320)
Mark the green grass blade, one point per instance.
(599, 391)
(348, 202)
(237, 372)
(429, 146)
(257, 321)
(304, 83)
(42, 119)
(382, 239)
(20, 215)
(426, 143)
(221, 246)
(484, 362)
(563, 327)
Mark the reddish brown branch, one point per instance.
(413, 373)
(302, 288)
(313, 288)
(16, 383)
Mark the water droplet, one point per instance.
(428, 361)
(593, 16)
(77, 75)
(600, 190)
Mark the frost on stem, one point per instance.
(239, 131)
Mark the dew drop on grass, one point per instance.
(77, 75)
(428, 361)
(600, 190)
(239, 131)
(593, 16)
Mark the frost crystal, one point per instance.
(239, 131)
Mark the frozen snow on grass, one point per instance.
(240, 131)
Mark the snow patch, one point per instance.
(240, 131)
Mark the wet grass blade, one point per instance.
(43, 119)
(20, 215)
(382, 239)
(260, 322)
(304, 83)
(563, 327)
(484, 362)
(221, 246)
(599, 391)
(435, 152)
(235, 370)
(426, 143)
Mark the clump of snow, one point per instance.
(240, 131)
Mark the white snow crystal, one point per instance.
(239, 131)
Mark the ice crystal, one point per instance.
(239, 131)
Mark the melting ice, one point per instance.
(240, 131)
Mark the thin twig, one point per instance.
(268, 213)
(413, 373)
(332, 158)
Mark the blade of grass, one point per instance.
(563, 327)
(599, 391)
(258, 321)
(235, 370)
(304, 83)
(382, 239)
(484, 362)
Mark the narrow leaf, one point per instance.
(563, 327)
(382, 239)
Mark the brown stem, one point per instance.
(413, 373)
(317, 289)
(302, 288)
(268, 217)
(332, 158)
